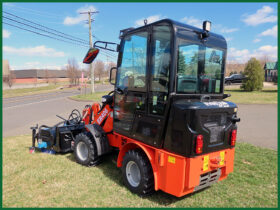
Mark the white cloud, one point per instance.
(37, 65)
(228, 30)
(256, 40)
(6, 33)
(244, 55)
(228, 39)
(149, 19)
(33, 51)
(192, 21)
(79, 17)
(262, 15)
(270, 32)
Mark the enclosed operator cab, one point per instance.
(169, 96)
(169, 88)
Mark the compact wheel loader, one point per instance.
(167, 116)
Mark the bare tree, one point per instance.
(11, 79)
(52, 77)
(99, 69)
(73, 71)
(47, 76)
(109, 66)
(263, 60)
(234, 67)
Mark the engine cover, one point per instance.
(188, 119)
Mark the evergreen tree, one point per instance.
(181, 63)
(193, 64)
(254, 76)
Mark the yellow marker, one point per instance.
(206, 163)
(222, 155)
(235, 110)
(171, 159)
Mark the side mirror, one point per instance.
(91, 55)
(113, 75)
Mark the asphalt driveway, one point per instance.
(258, 124)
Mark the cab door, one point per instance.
(131, 83)
(142, 86)
(149, 126)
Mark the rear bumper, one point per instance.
(179, 175)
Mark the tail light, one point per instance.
(233, 137)
(199, 144)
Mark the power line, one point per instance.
(42, 30)
(46, 27)
(113, 58)
(38, 12)
(44, 35)
(74, 41)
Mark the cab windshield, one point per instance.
(200, 69)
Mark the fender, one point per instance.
(148, 151)
(100, 139)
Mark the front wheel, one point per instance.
(137, 172)
(85, 150)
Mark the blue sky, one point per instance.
(250, 28)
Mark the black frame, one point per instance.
(213, 40)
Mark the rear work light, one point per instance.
(233, 137)
(199, 144)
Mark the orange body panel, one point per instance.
(103, 118)
(175, 174)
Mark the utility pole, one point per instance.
(90, 45)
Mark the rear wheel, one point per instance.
(228, 82)
(85, 150)
(137, 172)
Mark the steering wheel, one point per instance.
(75, 117)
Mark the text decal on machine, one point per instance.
(102, 116)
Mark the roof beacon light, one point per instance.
(206, 25)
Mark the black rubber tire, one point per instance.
(146, 185)
(228, 83)
(92, 158)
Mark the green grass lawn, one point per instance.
(31, 91)
(90, 97)
(43, 180)
(267, 96)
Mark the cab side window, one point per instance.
(132, 70)
(161, 41)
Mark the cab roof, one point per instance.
(186, 31)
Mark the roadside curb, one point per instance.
(79, 100)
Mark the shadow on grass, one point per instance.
(110, 170)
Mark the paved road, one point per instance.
(20, 113)
(258, 124)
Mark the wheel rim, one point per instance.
(82, 151)
(133, 173)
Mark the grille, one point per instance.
(214, 119)
(46, 135)
(208, 179)
(215, 124)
